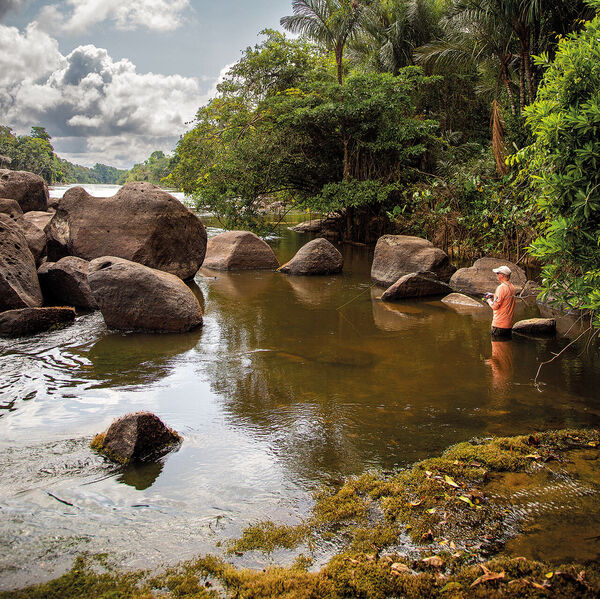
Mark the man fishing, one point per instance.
(502, 302)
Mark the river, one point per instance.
(293, 382)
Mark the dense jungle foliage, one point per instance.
(35, 153)
(426, 117)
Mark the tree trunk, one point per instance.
(526, 53)
(522, 100)
(339, 58)
(509, 91)
(347, 172)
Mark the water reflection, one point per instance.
(501, 364)
(134, 359)
(141, 476)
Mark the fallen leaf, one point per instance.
(543, 587)
(416, 503)
(549, 575)
(434, 561)
(593, 443)
(476, 464)
(431, 510)
(466, 500)
(450, 482)
(428, 473)
(452, 545)
(534, 456)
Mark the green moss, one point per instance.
(267, 536)
(438, 501)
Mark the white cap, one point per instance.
(503, 270)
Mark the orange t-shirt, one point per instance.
(504, 306)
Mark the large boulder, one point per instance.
(413, 285)
(29, 190)
(19, 285)
(136, 437)
(535, 326)
(132, 296)
(10, 207)
(38, 218)
(239, 250)
(36, 238)
(317, 257)
(399, 255)
(141, 223)
(29, 321)
(479, 278)
(65, 283)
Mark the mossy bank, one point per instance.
(435, 530)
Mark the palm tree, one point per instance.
(392, 29)
(332, 23)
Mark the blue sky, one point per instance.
(114, 80)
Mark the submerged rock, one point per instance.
(135, 297)
(479, 278)
(535, 326)
(317, 257)
(399, 255)
(29, 321)
(141, 223)
(415, 285)
(66, 283)
(136, 437)
(19, 286)
(29, 190)
(239, 250)
(460, 299)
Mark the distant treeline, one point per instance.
(35, 153)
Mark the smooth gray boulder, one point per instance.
(239, 250)
(141, 223)
(535, 326)
(399, 255)
(415, 285)
(29, 190)
(29, 321)
(132, 296)
(19, 285)
(10, 207)
(460, 299)
(480, 278)
(136, 437)
(317, 257)
(65, 283)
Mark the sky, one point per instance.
(114, 80)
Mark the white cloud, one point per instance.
(79, 15)
(121, 114)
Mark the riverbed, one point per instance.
(292, 383)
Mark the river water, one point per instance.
(292, 382)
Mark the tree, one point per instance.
(391, 30)
(316, 144)
(332, 23)
(562, 165)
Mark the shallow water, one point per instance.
(292, 382)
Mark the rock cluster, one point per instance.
(398, 255)
(141, 223)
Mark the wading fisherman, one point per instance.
(502, 302)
